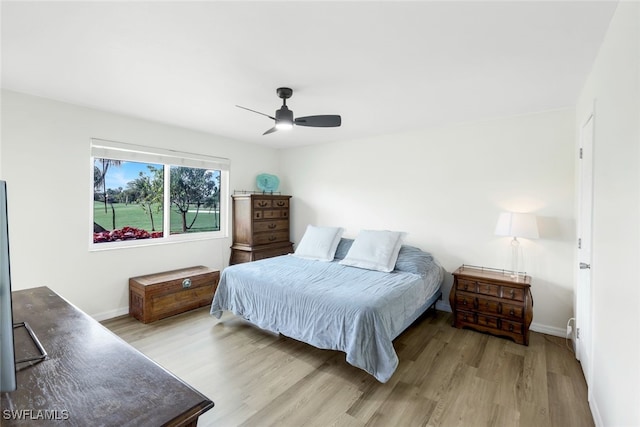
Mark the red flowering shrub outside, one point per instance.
(125, 233)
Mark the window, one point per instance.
(144, 195)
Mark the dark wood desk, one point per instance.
(91, 377)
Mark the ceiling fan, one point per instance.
(284, 117)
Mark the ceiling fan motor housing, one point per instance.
(284, 115)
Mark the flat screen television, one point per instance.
(8, 362)
(7, 349)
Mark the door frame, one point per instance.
(584, 227)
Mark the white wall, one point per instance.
(614, 84)
(45, 161)
(446, 187)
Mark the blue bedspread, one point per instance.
(328, 305)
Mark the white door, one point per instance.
(584, 319)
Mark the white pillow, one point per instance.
(319, 243)
(375, 250)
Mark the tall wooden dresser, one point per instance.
(260, 227)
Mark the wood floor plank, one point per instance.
(446, 376)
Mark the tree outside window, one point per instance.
(130, 201)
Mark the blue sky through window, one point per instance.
(119, 176)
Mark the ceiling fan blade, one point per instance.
(254, 111)
(325, 121)
(272, 130)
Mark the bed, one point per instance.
(334, 306)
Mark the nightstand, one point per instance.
(490, 300)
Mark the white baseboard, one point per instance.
(549, 330)
(110, 314)
(443, 306)
(595, 412)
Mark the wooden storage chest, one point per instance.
(156, 296)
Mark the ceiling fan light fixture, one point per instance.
(284, 125)
(284, 118)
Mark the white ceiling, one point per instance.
(386, 67)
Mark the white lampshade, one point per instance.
(517, 225)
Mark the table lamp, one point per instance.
(516, 225)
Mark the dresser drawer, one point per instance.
(275, 225)
(271, 214)
(516, 294)
(488, 289)
(479, 287)
(466, 285)
(262, 203)
(274, 237)
(513, 327)
(466, 301)
(512, 311)
(267, 203)
(473, 319)
(466, 317)
(492, 306)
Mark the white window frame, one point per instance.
(101, 148)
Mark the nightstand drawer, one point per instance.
(513, 327)
(473, 319)
(466, 301)
(492, 306)
(479, 287)
(488, 289)
(488, 321)
(466, 317)
(467, 285)
(512, 311)
(516, 294)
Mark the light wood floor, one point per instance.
(446, 377)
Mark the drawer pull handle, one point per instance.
(186, 283)
(258, 214)
(262, 204)
(272, 226)
(512, 312)
(511, 327)
(512, 293)
(272, 238)
(280, 204)
(464, 301)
